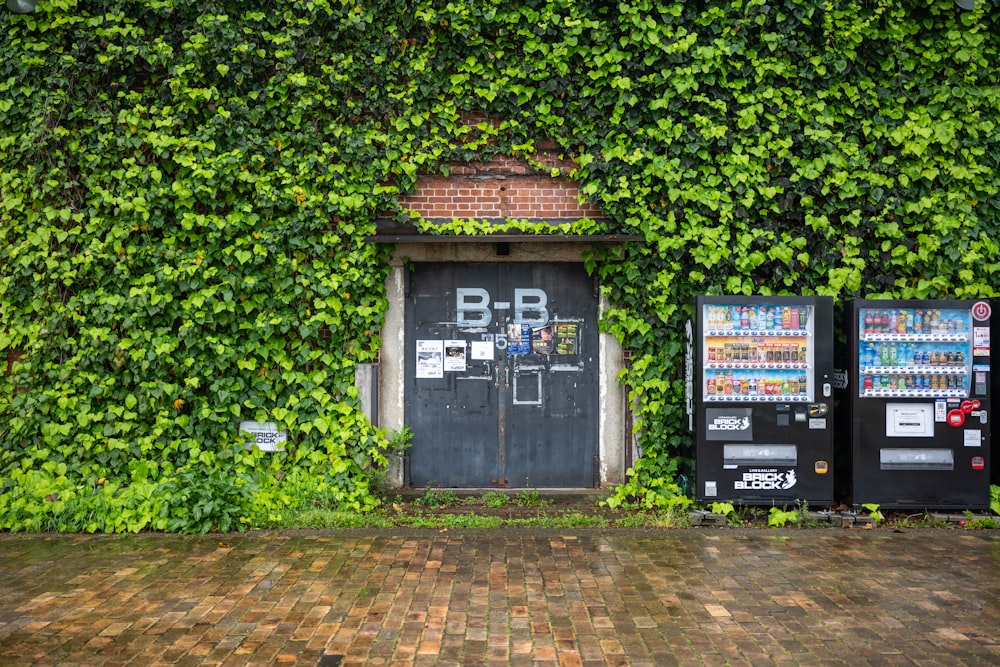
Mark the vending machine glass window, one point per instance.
(914, 352)
(758, 353)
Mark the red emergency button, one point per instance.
(978, 463)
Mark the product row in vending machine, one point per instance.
(907, 380)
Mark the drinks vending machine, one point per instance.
(915, 403)
(762, 399)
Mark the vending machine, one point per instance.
(915, 403)
(995, 391)
(762, 403)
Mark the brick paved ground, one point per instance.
(616, 597)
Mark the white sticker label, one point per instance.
(973, 438)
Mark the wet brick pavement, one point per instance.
(516, 597)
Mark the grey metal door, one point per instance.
(501, 375)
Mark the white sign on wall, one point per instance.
(266, 436)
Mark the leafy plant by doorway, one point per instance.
(779, 517)
(399, 440)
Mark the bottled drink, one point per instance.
(786, 318)
(794, 319)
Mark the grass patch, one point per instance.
(531, 498)
(319, 518)
(446, 521)
(495, 499)
(327, 518)
(439, 498)
(668, 518)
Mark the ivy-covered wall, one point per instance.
(185, 190)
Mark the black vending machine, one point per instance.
(995, 391)
(762, 385)
(915, 403)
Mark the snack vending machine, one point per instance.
(916, 403)
(762, 399)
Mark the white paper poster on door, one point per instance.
(454, 355)
(430, 358)
(482, 350)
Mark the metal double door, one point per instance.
(501, 379)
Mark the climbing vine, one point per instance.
(186, 189)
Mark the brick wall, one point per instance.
(500, 188)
